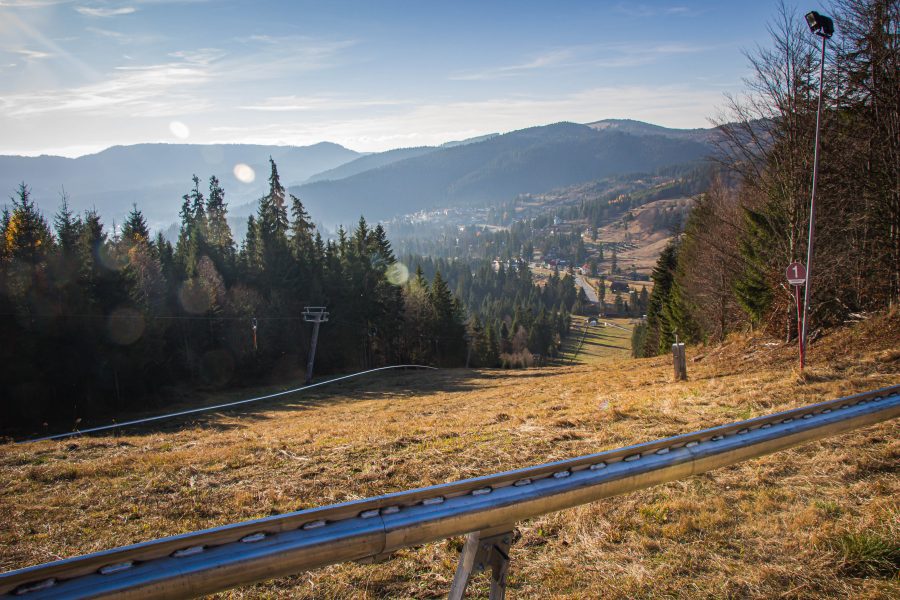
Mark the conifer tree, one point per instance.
(219, 238)
(134, 229)
(660, 331)
(250, 259)
(302, 229)
(27, 238)
(67, 227)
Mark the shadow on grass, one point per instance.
(388, 386)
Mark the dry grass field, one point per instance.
(610, 338)
(818, 521)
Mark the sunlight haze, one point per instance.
(77, 77)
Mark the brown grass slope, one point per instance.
(821, 520)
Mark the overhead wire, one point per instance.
(217, 406)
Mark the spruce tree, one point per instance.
(272, 225)
(67, 227)
(219, 238)
(134, 229)
(27, 238)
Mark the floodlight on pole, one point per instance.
(820, 24)
(823, 27)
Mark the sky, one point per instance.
(79, 76)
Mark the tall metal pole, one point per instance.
(315, 315)
(799, 321)
(812, 211)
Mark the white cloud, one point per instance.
(598, 56)
(435, 123)
(35, 36)
(200, 56)
(649, 11)
(278, 56)
(155, 90)
(105, 12)
(126, 39)
(633, 55)
(548, 59)
(116, 35)
(32, 54)
(31, 3)
(318, 103)
(192, 81)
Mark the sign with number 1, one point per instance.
(796, 274)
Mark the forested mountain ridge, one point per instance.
(485, 169)
(369, 162)
(633, 127)
(530, 160)
(377, 160)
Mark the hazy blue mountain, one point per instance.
(155, 176)
(368, 162)
(473, 140)
(346, 183)
(529, 160)
(641, 128)
(381, 159)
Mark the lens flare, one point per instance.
(125, 326)
(217, 366)
(179, 130)
(110, 258)
(244, 173)
(193, 297)
(397, 273)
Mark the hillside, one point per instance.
(530, 160)
(640, 128)
(817, 521)
(642, 233)
(341, 184)
(155, 176)
(377, 160)
(369, 161)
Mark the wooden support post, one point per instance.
(679, 359)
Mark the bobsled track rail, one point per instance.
(486, 508)
(203, 409)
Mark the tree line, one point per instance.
(97, 320)
(726, 272)
(512, 322)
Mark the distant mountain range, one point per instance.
(338, 184)
(369, 162)
(156, 176)
(382, 159)
(531, 160)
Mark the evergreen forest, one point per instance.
(100, 320)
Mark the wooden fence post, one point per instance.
(679, 359)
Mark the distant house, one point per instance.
(619, 286)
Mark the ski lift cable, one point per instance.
(203, 409)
